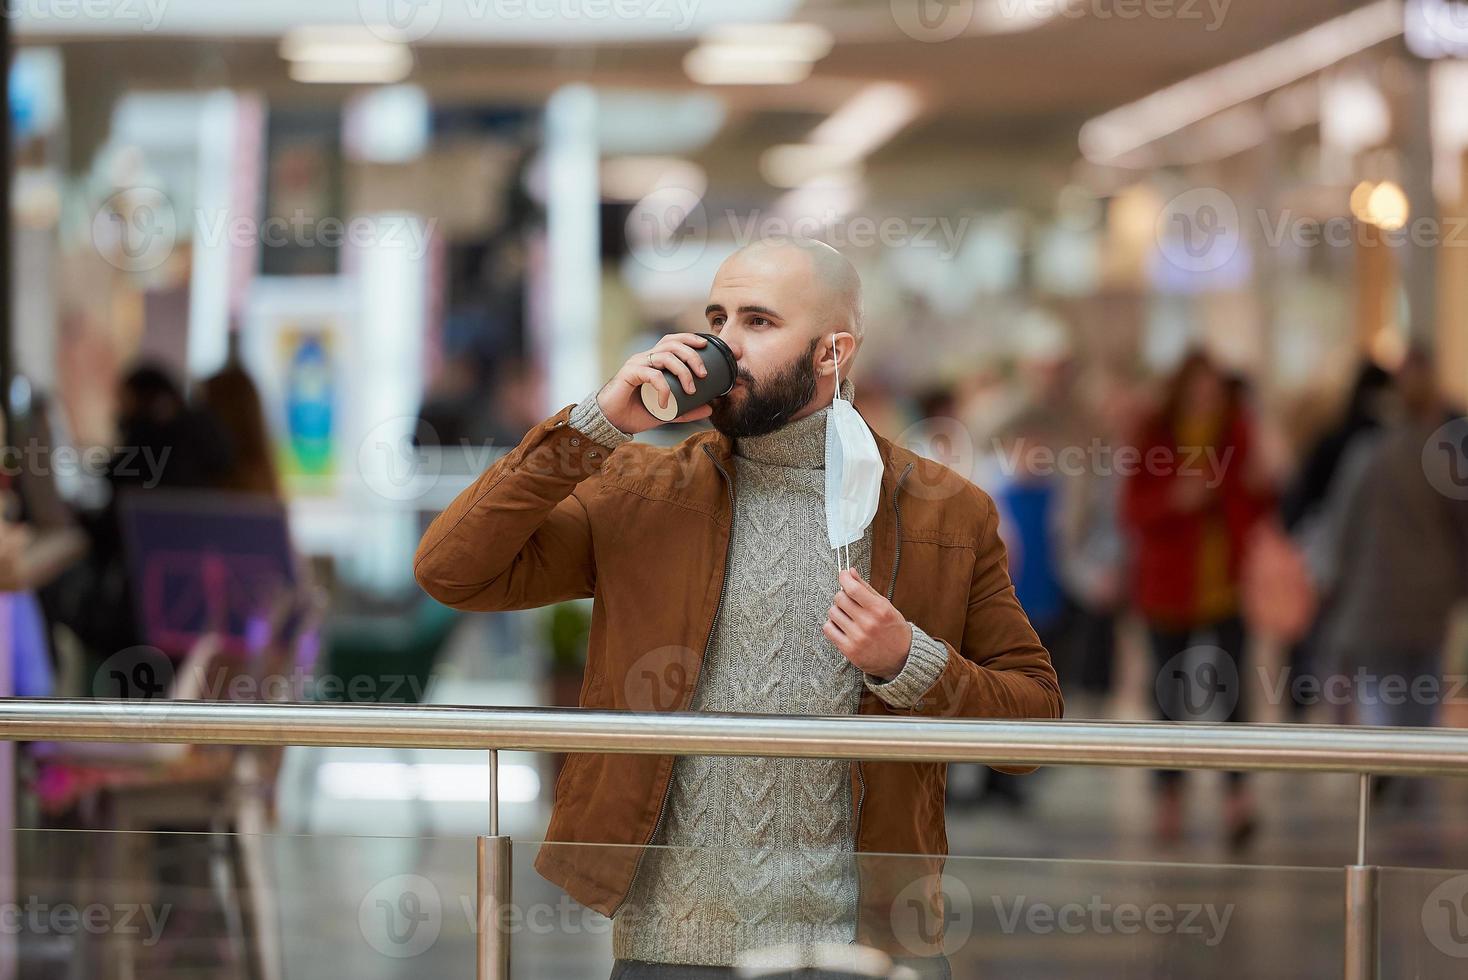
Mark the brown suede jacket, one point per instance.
(644, 531)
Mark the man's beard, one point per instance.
(768, 406)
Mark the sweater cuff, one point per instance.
(588, 419)
(926, 660)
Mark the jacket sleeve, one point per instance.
(520, 536)
(1001, 670)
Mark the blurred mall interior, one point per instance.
(284, 278)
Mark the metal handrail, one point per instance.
(1299, 748)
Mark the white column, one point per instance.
(567, 343)
(209, 226)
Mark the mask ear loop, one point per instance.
(840, 549)
(836, 360)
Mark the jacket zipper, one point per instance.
(698, 674)
(861, 778)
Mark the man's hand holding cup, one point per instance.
(700, 364)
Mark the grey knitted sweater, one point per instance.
(757, 853)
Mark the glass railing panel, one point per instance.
(1424, 923)
(172, 904)
(885, 915)
(105, 904)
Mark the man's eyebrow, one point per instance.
(765, 311)
(760, 311)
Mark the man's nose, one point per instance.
(731, 339)
(735, 347)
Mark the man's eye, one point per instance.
(759, 321)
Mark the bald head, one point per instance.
(790, 311)
(837, 287)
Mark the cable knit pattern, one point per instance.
(754, 853)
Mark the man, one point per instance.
(716, 589)
(1395, 549)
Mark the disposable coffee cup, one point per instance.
(722, 373)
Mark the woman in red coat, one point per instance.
(1189, 506)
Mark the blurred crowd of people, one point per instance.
(62, 545)
(1267, 582)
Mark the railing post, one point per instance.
(492, 896)
(1361, 905)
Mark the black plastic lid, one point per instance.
(723, 348)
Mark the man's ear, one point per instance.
(846, 345)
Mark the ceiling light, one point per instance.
(757, 54)
(737, 65)
(1387, 206)
(794, 42)
(825, 199)
(1354, 114)
(1110, 136)
(344, 55)
(868, 119)
(825, 171)
(793, 164)
(1360, 196)
(385, 73)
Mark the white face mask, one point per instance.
(853, 471)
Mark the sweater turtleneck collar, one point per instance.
(800, 444)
